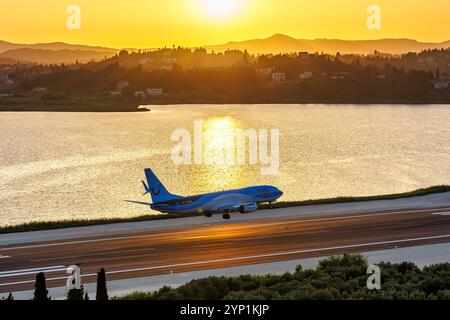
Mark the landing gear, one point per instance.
(208, 215)
(226, 216)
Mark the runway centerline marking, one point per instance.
(234, 227)
(284, 253)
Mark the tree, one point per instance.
(40, 291)
(76, 294)
(102, 291)
(298, 268)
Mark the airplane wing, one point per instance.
(138, 202)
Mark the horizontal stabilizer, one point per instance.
(138, 202)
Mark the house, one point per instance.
(264, 71)
(441, 84)
(340, 75)
(39, 90)
(145, 61)
(278, 77)
(140, 94)
(155, 91)
(122, 84)
(305, 75)
(169, 60)
(243, 63)
(115, 93)
(165, 68)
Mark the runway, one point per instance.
(238, 243)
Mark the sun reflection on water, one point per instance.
(220, 170)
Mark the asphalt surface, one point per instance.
(239, 243)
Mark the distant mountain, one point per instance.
(45, 56)
(54, 52)
(280, 43)
(6, 46)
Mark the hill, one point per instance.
(54, 52)
(282, 43)
(6, 46)
(46, 56)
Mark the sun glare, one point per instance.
(220, 9)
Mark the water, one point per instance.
(84, 165)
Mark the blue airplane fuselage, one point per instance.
(244, 200)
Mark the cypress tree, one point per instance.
(76, 294)
(102, 291)
(40, 291)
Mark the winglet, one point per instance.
(147, 190)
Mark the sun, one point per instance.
(220, 9)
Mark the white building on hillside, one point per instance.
(441, 84)
(155, 91)
(278, 77)
(264, 71)
(140, 94)
(305, 75)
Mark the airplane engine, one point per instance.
(248, 208)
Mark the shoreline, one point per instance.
(63, 224)
(136, 106)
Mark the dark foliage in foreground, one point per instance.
(40, 291)
(102, 291)
(338, 277)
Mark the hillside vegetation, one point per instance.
(337, 277)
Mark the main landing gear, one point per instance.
(226, 215)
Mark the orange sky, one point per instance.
(155, 23)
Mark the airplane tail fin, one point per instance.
(156, 189)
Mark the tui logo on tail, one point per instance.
(156, 192)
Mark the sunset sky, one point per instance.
(155, 23)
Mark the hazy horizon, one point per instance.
(207, 45)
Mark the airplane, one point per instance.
(243, 200)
